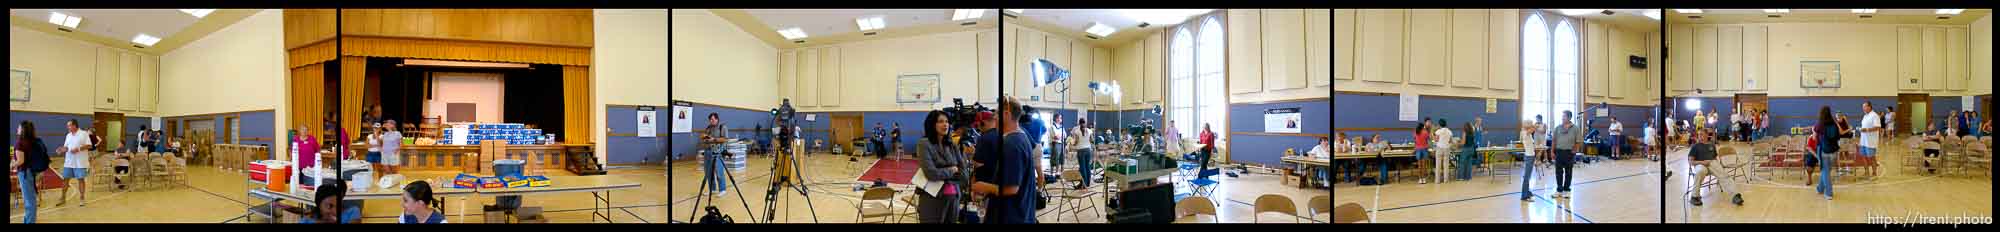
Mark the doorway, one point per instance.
(1915, 113)
(846, 128)
(1752, 103)
(110, 126)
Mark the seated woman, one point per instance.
(419, 207)
(329, 199)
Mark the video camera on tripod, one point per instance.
(964, 116)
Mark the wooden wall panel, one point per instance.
(559, 27)
(1284, 49)
(1381, 38)
(463, 50)
(1429, 44)
(1343, 44)
(1729, 58)
(829, 77)
(1504, 49)
(1468, 48)
(307, 26)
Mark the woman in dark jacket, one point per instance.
(1829, 148)
(939, 160)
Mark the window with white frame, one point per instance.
(1195, 76)
(1549, 63)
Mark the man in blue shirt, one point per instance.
(1011, 193)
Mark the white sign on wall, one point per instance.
(683, 122)
(1406, 107)
(648, 123)
(1282, 120)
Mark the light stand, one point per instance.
(703, 194)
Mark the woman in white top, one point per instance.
(1443, 147)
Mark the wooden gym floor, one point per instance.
(1783, 196)
(217, 196)
(1621, 191)
(834, 196)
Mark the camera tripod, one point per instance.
(703, 194)
(785, 158)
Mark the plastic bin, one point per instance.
(279, 175)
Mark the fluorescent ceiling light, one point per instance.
(1099, 29)
(869, 23)
(64, 20)
(1579, 11)
(1016, 11)
(1688, 11)
(1654, 13)
(1162, 16)
(1863, 11)
(198, 13)
(1950, 11)
(1777, 11)
(144, 39)
(963, 14)
(792, 33)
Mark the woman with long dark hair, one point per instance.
(32, 158)
(1423, 148)
(1829, 148)
(939, 160)
(420, 206)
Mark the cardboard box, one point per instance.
(465, 181)
(515, 181)
(1294, 180)
(496, 217)
(539, 181)
(490, 182)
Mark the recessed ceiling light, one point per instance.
(1099, 29)
(1016, 11)
(1162, 16)
(1777, 11)
(792, 33)
(1688, 11)
(1654, 13)
(963, 14)
(144, 39)
(1950, 11)
(869, 23)
(1863, 11)
(1579, 11)
(198, 13)
(64, 20)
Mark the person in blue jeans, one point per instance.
(1083, 146)
(1829, 146)
(1468, 152)
(714, 136)
(33, 159)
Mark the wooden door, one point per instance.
(846, 127)
(1911, 112)
(1753, 103)
(111, 127)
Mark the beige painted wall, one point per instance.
(861, 76)
(1085, 62)
(62, 70)
(717, 63)
(1869, 56)
(1982, 56)
(1381, 46)
(238, 68)
(630, 46)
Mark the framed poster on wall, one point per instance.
(17, 81)
(1282, 120)
(917, 88)
(648, 123)
(683, 123)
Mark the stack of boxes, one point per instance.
(473, 133)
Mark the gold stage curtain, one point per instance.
(577, 105)
(308, 103)
(311, 54)
(353, 84)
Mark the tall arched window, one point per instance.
(1181, 79)
(1535, 68)
(1549, 63)
(1209, 71)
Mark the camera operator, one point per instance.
(713, 138)
(785, 125)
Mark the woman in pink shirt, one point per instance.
(1423, 145)
(308, 147)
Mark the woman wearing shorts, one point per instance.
(392, 142)
(375, 147)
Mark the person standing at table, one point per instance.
(1423, 148)
(1566, 140)
(1468, 150)
(713, 138)
(392, 147)
(1443, 147)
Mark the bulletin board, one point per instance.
(18, 86)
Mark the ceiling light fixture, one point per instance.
(1162, 16)
(1950, 11)
(792, 33)
(869, 23)
(1777, 11)
(963, 14)
(1654, 14)
(1099, 29)
(1688, 11)
(1863, 11)
(198, 13)
(144, 39)
(64, 20)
